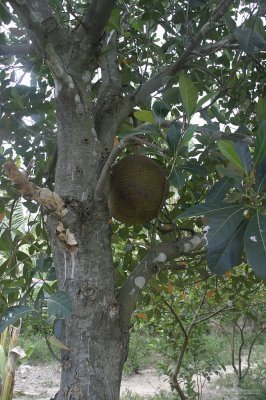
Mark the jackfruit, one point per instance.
(138, 187)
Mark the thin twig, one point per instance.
(176, 317)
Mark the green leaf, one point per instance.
(204, 99)
(223, 224)
(244, 154)
(260, 176)
(6, 241)
(114, 20)
(18, 220)
(144, 115)
(189, 94)
(17, 98)
(210, 209)
(177, 178)
(229, 22)
(227, 148)
(255, 244)
(188, 135)
(219, 190)
(171, 96)
(260, 144)
(57, 343)
(160, 108)
(224, 255)
(59, 305)
(13, 314)
(230, 173)
(5, 15)
(173, 137)
(2, 205)
(195, 168)
(147, 129)
(261, 109)
(249, 40)
(219, 116)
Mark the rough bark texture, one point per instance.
(93, 367)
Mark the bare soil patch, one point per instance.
(41, 382)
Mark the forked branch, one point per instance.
(155, 261)
(42, 26)
(95, 20)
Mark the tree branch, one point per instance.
(178, 320)
(111, 89)
(44, 196)
(52, 201)
(174, 380)
(95, 20)
(101, 188)
(41, 24)
(154, 262)
(157, 81)
(16, 49)
(208, 49)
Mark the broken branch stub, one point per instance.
(51, 200)
(44, 196)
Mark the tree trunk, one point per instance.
(92, 368)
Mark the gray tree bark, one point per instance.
(92, 368)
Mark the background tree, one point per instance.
(101, 69)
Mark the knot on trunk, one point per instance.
(113, 310)
(88, 292)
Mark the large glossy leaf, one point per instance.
(13, 314)
(260, 144)
(255, 244)
(59, 305)
(189, 94)
(227, 148)
(249, 40)
(171, 95)
(144, 115)
(220, 189)
(210, 209)
(230, 173)
(260, 176)
(226, 254)
(188, 135)
(223, 224)
(261, 109)
(177, 178)
(242, 149)
(204, 100)
(195, 168)
(114, 20)
(160, 108)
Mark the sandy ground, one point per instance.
(41, 382)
